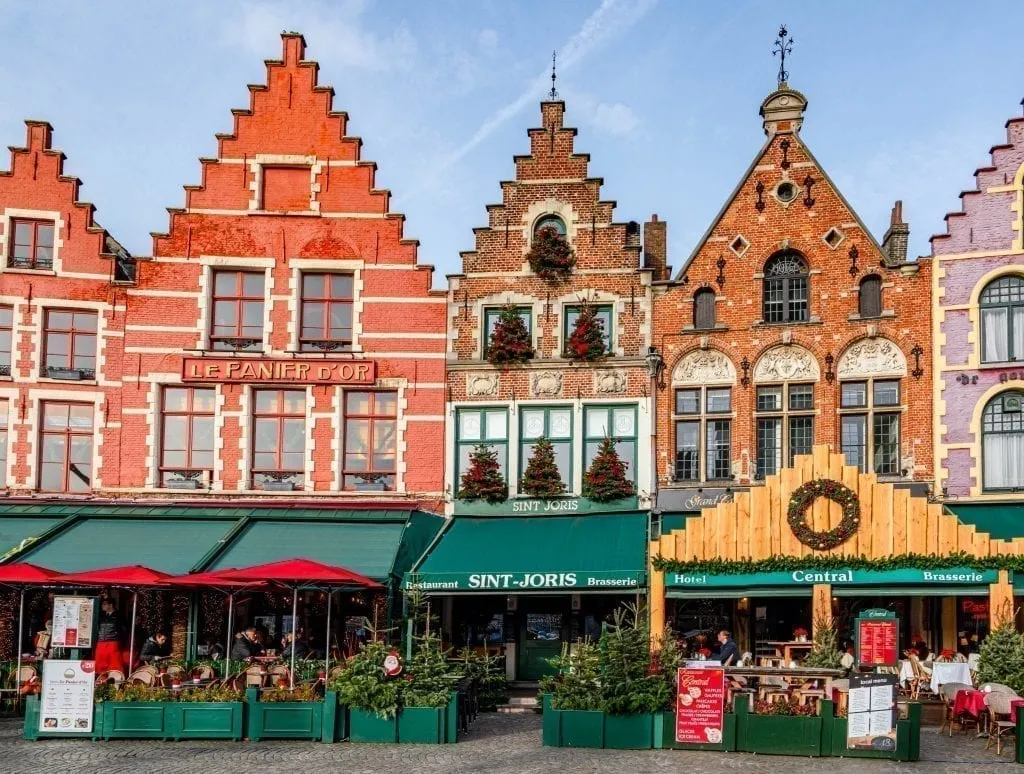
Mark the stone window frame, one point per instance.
(633, 439)
(982, 432)
(190, 412)
(460, 443)
(10, 214)
(211, 264)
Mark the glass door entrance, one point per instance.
(540, 639)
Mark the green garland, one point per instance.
(793, 563)
(802, 499)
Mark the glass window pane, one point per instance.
(719, 463)
(313, 285)
(60, 321)
(853, 395)
(267, 402)
(563, 458)
(560, 423)
(386, 404)
(265, 432)
(687, 451)
(81, 448)
(264, 461)
(55, 415)
(175, 458)
(204, 399)
(252, 284)
(54, 447)
(719, 400)
(202, 434)
(769, 398)
(252, 314)
(886, 393)
(175, 399)
(175, 432)
(597, 423)
(886, 452)
(624, 422)
(687, 401)
(853, 440)
(294, 402)
(57, 345)
(225, 314)
(357, 403)
(313, 316)
(294, 435)
(769, 447)
(497, 425)
(627, 453)
(341, 286)
(79, 477)
(801, 397)
(51, 476)
(469, 426)
(44, 235)
(801, 436)
(357, 435)
(385, 436)
(224, 283)
(533, 423)
(85, 346)
(23, 233)
(80, 416)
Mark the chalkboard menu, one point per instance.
(877, 636)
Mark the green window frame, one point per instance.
(488, 425)
(605, 314)
(491, 314)
(615, 421)
(554, 423)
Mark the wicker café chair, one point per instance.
(1000, 725)
(116, 676)
(948, 692)
(277, 674)
(176, 671)
(336, 672)
(996, 688)
(144, 676)
(255, 676)
(203, 672)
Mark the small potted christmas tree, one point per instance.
(587, 339)
(510, 341)
(483, 479)
(551, 257)
(541, 477)
(606, 479)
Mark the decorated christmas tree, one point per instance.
(510, 340)
(1002, 655)
(551, 257)
(606, 479)
(483, 479)
(586, 342)
(825, 650)
(541, 478)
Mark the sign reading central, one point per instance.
(211, 369)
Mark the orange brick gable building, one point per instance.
(790, 326)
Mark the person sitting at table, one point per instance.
(728, 652)
(154, 648)
(289, 643)
(246, 645)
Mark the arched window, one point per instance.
(1002, 320)
(869, 298)
(1002, 438)
(550, 221)
(786, 289)
(704, 309)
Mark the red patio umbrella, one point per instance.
(131, 576)
(304, 573)
(215, 580)
(20, 575)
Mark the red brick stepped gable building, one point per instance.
(790, 326)
(269, 384)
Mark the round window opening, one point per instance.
(786, 192)
(550, 221)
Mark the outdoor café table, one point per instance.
(801, 674)
(906, 671)
(969, 701)
(950, 672)
(786, 648)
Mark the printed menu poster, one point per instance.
(66, 699)
(700, 705)
(72, 622)
(871, 713)
(878, 642)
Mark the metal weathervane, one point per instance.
(783, 46)
(554, 92)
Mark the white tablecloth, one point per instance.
(906, 671)
(952, 672)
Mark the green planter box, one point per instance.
(335, 719)
(629, 732)
(422, 725)
(366, 726)
(665, 734)
(580, 728)
(551, 723)
(136, 720)
(908, 739)
(778, 734)
(283, 720)
(206, 720)
(451, 720)
(31, 732)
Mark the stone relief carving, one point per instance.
(704, 367)
(785, 363)
(481, 385)
(546, 383)
(609, 382)
(871, 358)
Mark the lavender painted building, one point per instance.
(978, 336)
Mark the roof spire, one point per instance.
(782, 47)
(554, 92)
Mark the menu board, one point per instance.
(877, 642)
(871, 713)
(66, 699)
(700, 705)
(72, 622)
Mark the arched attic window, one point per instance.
(786, 288)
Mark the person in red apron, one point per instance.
(108, 640)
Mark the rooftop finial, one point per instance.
(554, 92)
(783, 46)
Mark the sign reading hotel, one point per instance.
(700, 705)
(225, 369)
(520, 581)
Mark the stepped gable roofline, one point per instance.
(39, 138)
(977, 190)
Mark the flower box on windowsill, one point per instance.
(187, 483)
(371, 486)
(278, 486)
(66, 374)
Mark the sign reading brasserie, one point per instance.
(225, 369)
(519, 581)
(843, 577)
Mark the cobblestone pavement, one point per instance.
(498, 743)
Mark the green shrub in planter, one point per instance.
(489, 673)
(363, 686)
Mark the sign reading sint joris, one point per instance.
(518, 581)
(223, 369)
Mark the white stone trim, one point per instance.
(496, 300)
(211, 263)
(218, 439)
(338, 429)
(168, 293)
(309, 444)
(33, 414)
(595, 298)
(245, 441)
(262, 160)
(9, 394)
(17, 304)
(538, 210)
(154, 433)
(40, 306)
(11, 213)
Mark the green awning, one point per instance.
(367, 548)
(596, 552)
(1004, 521)
(168, 545)
(16, 532)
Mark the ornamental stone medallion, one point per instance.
(785, 363)
(704, 367)
(546, 383)
(875, 357)
(609, 382)
(481, 385)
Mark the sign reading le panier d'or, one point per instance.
(226, 369)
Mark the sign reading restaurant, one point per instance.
(513, 581)
(839, 577)
(226, 369)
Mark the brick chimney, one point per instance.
(656, 248)
(896, 239)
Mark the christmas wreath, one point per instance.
(837, 493)
(551, 257)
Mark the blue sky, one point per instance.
(905, 97)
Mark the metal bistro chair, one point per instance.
(1000, 725)
(948, 692)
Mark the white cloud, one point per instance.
(487, 40)
(341, 39)
(616, 119)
